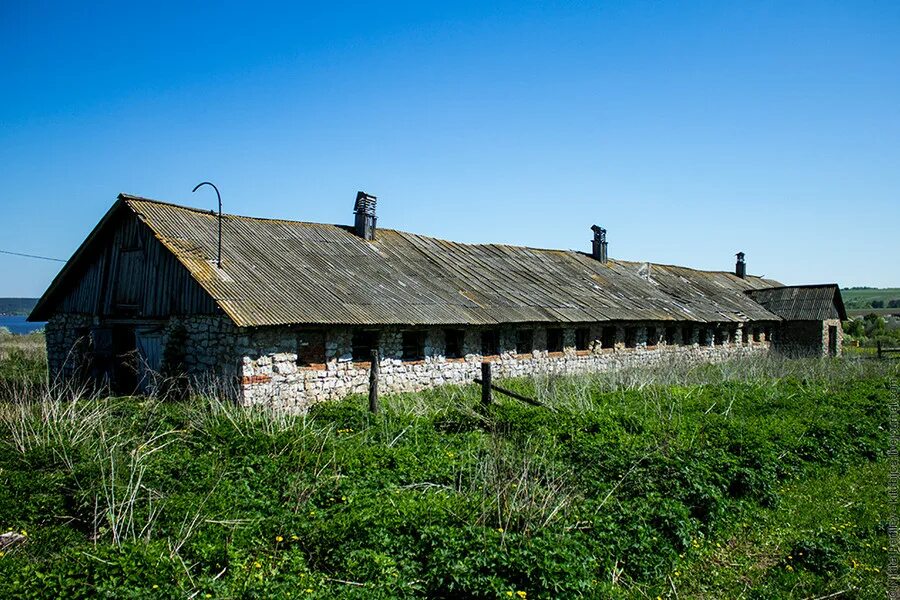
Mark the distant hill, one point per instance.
(16, 306)
(880, 299)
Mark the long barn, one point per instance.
(289, 313)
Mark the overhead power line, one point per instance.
(32, 256)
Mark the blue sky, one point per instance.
(689, 130)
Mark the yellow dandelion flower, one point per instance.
(500, 529)
(279, 539)
(294, 538)
(155, 587)
(257, 565)
(677, 574)
(25, 533)
(510, 594)
(521, 594)
(308, 591)
(789, 568)
(2, 553)
(208, 596)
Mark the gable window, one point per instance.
(490, 342)
(413, 345)
(555, 340)
(608, 337)
(630, 337)
(524, 341)
(652, 336)
(364, 341)
(670, 336)
(582, 338)
(454, 340)
(310, 348)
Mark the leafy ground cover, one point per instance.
(753, 479)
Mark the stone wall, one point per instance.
(260, 365)
(68, 348)
(839, 332)
(201, 347)
(807, 338)
(270, 373)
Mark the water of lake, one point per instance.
(18, 324)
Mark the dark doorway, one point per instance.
(490, 342)
(124, 372)
(555, 340)
(363, 342)
(582, 338)
(454, 343)
(608, 337)
(832, 340)
(631, 337)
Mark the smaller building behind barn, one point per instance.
(811, 317)
(290, 313)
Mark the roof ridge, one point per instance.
(803, 285)
(641, 262)
(131, 197)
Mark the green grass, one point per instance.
(861, 312)
(863, 298)
(758, 479)
(23, 361)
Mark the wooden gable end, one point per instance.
(127, 273)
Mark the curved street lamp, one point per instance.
(219, 196)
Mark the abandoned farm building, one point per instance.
(293, 312)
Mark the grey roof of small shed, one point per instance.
(278, 272)
(802, 302)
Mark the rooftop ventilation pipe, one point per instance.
(599, 249)
(740, 267)
(364, 226)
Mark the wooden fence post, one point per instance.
(373, 383)
(485, 382)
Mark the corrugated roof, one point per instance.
(802, 302)
(287, 272)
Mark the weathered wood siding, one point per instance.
(133, 275)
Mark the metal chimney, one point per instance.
(740, 267)
(365, 216)
(599, 246)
